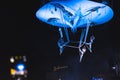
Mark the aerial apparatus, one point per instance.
(75, 14)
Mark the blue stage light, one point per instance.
(20, 67)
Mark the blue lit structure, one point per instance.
(75, 14)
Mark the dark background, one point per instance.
(22, 33)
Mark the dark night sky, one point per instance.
(22, 33)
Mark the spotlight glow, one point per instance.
(12, 60)
(20, 67)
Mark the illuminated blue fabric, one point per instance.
(74, 14)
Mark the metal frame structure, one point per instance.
(82, 42)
